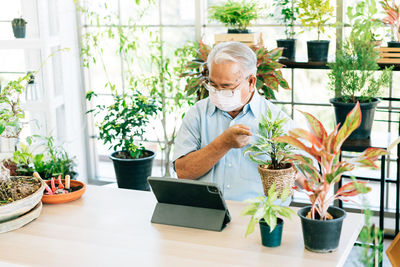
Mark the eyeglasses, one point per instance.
(223, 92)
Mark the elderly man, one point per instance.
(215, 131)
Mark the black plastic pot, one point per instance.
(393, 44)
(318, 50)
(289, 48)
(238, 31)
(19, 31)
(133, 173)
(367, 116)
(322, 236)
(274, 238)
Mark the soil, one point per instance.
(125, 155)
(281, 166)
(328, 216)
(17, 187)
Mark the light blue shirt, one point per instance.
(235, 174)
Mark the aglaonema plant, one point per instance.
(325, 149)
(269, 73)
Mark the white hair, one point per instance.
(234, 52)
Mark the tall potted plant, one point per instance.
(288, 15)
(264, 211)
(237, 16)
(269, 74)
(321, 222)
(271, 156)
(316, 13)
(124, 121)
(353, 78)
(393, 19)
(19, 27)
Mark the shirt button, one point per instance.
(229, 165)
(228, 186)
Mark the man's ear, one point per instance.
(252, 81)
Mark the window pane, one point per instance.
(178, 12)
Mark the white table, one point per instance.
(111, 227)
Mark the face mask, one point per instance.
(228, 103)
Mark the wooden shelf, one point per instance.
(323, 65)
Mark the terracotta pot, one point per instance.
(282, 178)
(63, 198)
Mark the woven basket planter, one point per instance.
(282, 178)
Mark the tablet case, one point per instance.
(189, 203)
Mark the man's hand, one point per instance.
(236, 136)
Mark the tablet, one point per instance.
(189, 203)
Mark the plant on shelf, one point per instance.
(289, 11)
(269, 74)
(271, 156)
(264, 211)
(11, 112)
(354, 77)
(363, 20)
(393, 19)
(323, 150)
(123, 121)
(19, 27)
(316, 13)
(235, 15)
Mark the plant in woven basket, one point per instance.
(269, 74)
(265, 210)
(325, 149)
(270, 155)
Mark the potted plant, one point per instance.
(393, 19)
(363, 20)
(353, 78)
(54, 161)
(288, 15)
(269, 74)
(316, 13)
(18, 195)
(321, 222)
(265, 212)
(237, 16)
(125, 120)
(270, 155)
(19, 27)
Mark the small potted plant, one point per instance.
(288, 15)
(237, 16)
(125, 120)
(316, 13)
(265, 212)
(321, 222)
(269, 73)
(19, 27)
(52, 162)
(354, 78)
(271, 156)
(393, 19)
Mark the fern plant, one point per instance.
(234, 14)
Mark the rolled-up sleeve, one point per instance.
(188, 138)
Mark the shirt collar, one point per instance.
(253, 105)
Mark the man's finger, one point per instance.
(242, 126)
(241, 131)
